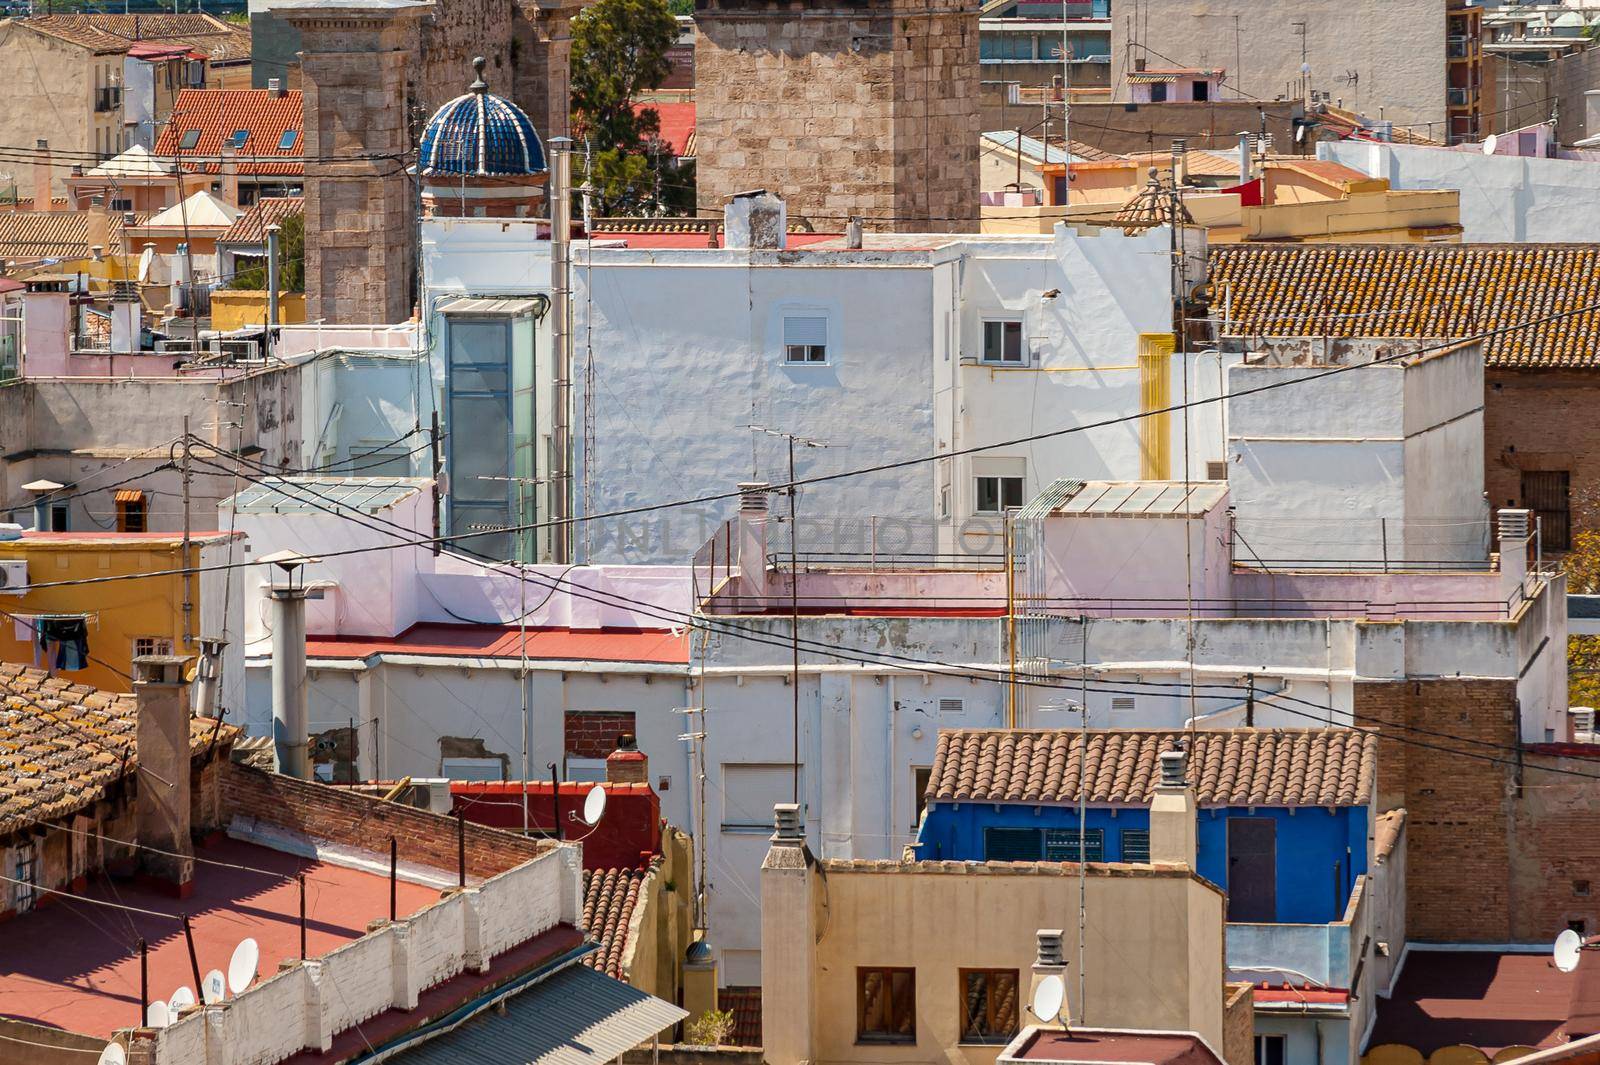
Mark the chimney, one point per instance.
(97, 225)
(1049, 960)
(1514, 528)
(627, 764)
(1180, 163)
(275, 87)
(1172, 814)
(756, 221)
(41, 176)
(230, 174)
(208, 675)
(752, 534)
(789, 935)
(289, 720)
(161, 744)
(1244, 159)
(852, 233)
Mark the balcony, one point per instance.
(1458, 97)
(1461, 47)
(108, 99)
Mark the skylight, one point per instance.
(239, 137)
(191, 137)
(286, 141)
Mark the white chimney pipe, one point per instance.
(289, 719)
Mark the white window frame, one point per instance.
(159, 645)
(809, 315)
(1000, 491)
(1022, 341)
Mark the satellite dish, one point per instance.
(113, 1054)
(1299, 134)
(1568, 946)
(594, 806)
(1049, 998)
(181, 1000)
(215, 987)
(1490, 143)
(242, 966)
(157, 1015)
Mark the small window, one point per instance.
(1216, 471)
(151, 645)
(1002, 343)
(131, 512)
(1579, 926)
(1012, 845)
(191, 137)
(288, 140)
(1061, 844)
(1580, 888)
(805, 339)
(988, 1005)
(1548, 494)
(26, 874)
(121, 205)
(1158, 92)
(996, 494)
(1135, 845)
(1269, 1049)
(886, 1005)
(240, 136)
(1202, 92)
(59, 517)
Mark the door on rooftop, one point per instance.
(1252, 869)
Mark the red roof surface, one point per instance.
(626, 838)
(218, 113)
(699, 240)
(1168, 1048)
(1479, 998)
(1299, 996)
(73, 965)
(677, 124)
(501, 641)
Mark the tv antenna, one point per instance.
(242, 966)
(1048, 998)
(1569, 945)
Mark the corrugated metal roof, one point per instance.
(469, 306)
(1032, 147)
(576, 1017)
(286, 495)
(1052, 497)
(1145, 498)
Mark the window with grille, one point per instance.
(1135, 845)
(988, 1005)
(1123, 704)
(1061, 845)
(886, 1005)
(131, 513)
(996, 494)
(1011, 845)
(1216, 471)
(1548, 494)
(151, 645)
(951, 706)
(1002, 343)
(805, 339)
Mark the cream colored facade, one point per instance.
(52, 95)
(1153, 948)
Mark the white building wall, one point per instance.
(1503, 199)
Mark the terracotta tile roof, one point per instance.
(107, 34)
(1386, 833)
(1443, 291)
(609, 899)
(744, 1002)
(1349, 124)
(251, 228)
(219, 113)
(63, 744)
(1230, 767)
(1200, 163)
(26, 236)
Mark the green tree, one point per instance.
(619, 52)
(291, 261)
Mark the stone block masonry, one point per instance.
(867, 109)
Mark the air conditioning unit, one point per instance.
(13, 576)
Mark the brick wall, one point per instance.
(1541, 421)
(1555, 860)
(593, 733)
(868, 109)
(342, 816)
(1459, 807)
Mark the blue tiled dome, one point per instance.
(481, 135)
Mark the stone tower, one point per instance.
(356, 60)
(843, 107)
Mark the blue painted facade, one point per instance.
(1319, 852)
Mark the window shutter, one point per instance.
(807, 330)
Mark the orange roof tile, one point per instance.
(251, 228)
(63, 744)
(114, 34)
(26, 236)
(1444, 291)
(609, 899)
(1230, 767)
(219, 113)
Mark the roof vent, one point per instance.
(1051, 952)
(786, 818)
(274, 86)
(1514, 524)
(1172, 769)
(753, 497)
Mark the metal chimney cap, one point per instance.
(159, 669)
(786, 819)
(1050, 949)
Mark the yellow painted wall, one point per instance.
(1154, 948)
(119, 610)
(242, 308)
